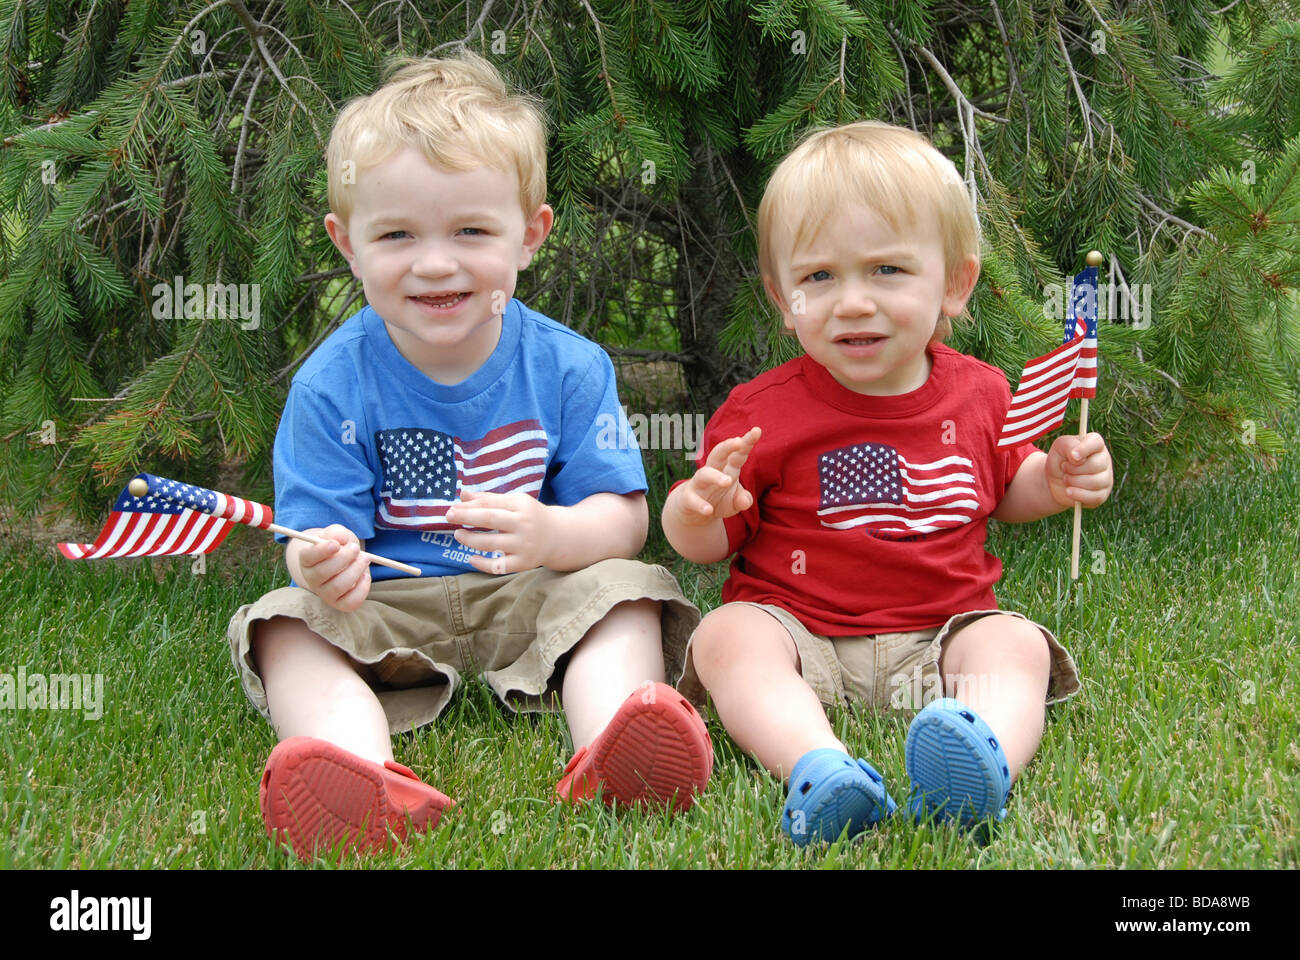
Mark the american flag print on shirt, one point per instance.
(873, 485)
(425, 470)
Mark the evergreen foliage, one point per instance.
(154, 140)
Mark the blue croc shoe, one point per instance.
(956, 765)
(829, 790)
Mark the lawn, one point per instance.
(1180, 751)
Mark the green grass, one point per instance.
(1180, 751)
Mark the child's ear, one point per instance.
(536, 229)
(961, 284)
(338, 232)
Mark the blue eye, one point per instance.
(394, 233)
(473, 231)
(889, 271)
(818, 275)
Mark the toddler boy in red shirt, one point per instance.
(853, 486)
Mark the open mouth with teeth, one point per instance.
(442, 301)
(863, 340)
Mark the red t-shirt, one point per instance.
(870, 513)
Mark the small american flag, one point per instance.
(171, 519)
(1049, 383)
(426, 470)
(1083, 307)
(872, 483)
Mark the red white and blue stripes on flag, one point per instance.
(172, 519)
(1083, 307)
(1048, 383)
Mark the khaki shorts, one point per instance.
(898, 671)
(413, 638)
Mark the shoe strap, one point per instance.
(404, 771)
(577, 758)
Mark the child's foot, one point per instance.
(655, 751)
(829, 790)
(315, 793)
(956, 765)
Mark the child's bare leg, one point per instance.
(617, 655)
(312, 690)
(748, 662)
(1000, 666)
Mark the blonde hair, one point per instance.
(456, 111)
(892, 170)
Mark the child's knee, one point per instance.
(1027, 647)
(645, 614)
(631, 624)
(732, 637)
(279, 638)
(1008, 643)
(714, 645)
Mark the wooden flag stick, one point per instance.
(370, 557)
(1094, 259)
(1078, 509)
(139, 488)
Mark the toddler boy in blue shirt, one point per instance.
(450, 427)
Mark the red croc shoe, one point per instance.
(654, 752)
(316, 794)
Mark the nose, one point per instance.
(433, 259)
(855, 300)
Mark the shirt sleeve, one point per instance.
(322, 469)
(598, 451)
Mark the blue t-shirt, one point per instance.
(370, 442)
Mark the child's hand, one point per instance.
(513, 524)
(334, 569)
(715, 492)
(1079, 470)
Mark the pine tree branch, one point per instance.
(323, 275)
(254, 28)
(735, 188)
(478, 26)
(650, 217)
(1090, 115)
(180, 36)
(1189, 227)
(1084, 110)
(649, 356)
(1012, 73)
(55, 121)
(229, 102)
(348, 7)
(907, 78)
(175, 234)
(181, 81)
(352, 298)
(243, 131)
(952, 84)
(604, 63)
